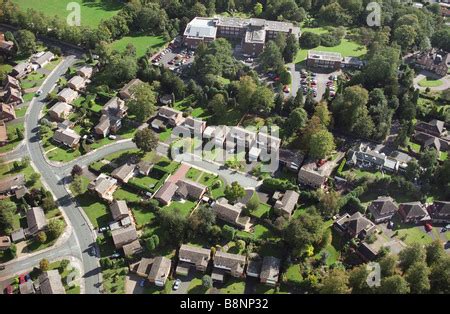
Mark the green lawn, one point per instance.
(124, 194)
(32, 80)
(141, 43)
(193, 174)
(165, 135)
(185, 207)
(195, 286)
(97, 211)
(233, 286)
(411, 234)
(12, 136)
(114, 280)
(143, 215)
(73, 289)
(292, 274)
(92, 12)
(429, 82)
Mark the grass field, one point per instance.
(92, 12)
(141, 43)
(12, 136)
(429, 82)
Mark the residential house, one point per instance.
(11, 183)
(265, 144)
(192, 256)
(112, 114)
(431, 141)
(254, 265)
(36, 220)
(115, 107)
(168, 117)
(165, 193)
(188, 189)
(60, 111)
(270, 270)
(10, 81)
(315, 174)
(7, 112)
(382, 209)
(67, 95)
(216, 134)
(50, 282)
(128, 90)
(21, 70)
(143, 267)
(6, 46)
(432, 60)
(413, 212)
(285, 203)
(124, 172)
(434, 127)
(160, 271)
(195, 126)
(77, 83)
(364, 157)
(123, 236)
(440, 212)
(227, 263)
(5, 243)
(13, 96)
(231, 213)
(132, 248)
(42, 59)
(144, 167)
(119, 210)
(166, 99)
(85, 72)
(104, 186)
(324, 59)
(67, 137)
(21, 192)
(65, 124)
(354, 226)
(3, 133)
(18, 235)
(239, 138)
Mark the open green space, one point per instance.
(185, 207)
(92, 12)
(14, 140)
(233, 286)
(429, 82)
(141, 43)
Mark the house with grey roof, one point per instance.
(128, 90)
(168, 117)
(123, 236)
(60, 111)
(160, 271)
(132, 248)
(382, 209)
(166, 192)
(67, 95)
(413, 212)
(143, 267)
(231, 213)
(434, 127)
(36, 220)
(104, 186)
(85, 72)
(50, 282)
(227, 263)
(364, 157)
(5, 243)
(42, 59)
(254, 265)
(195, 126)
(21, 70)
(119, 210)
(77, 83)
(188, 189)
(314, 174)
(67, 137)
(11, 183)
(27, 287)
(354, 226)
(440, 211)
(192, 256)
(286, 203)
(144, 167)
(124, 172)
(270, 270)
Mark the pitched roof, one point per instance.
(114, 106)
(77, 81)
(44, 58)
(8, 183)
(166, 192)
(193, 189)
(226, 211)
(27, 287)
(126, 92)
(50, 283)
(441, 208)
(160, 269)
(145, 166)
(123, 171)
(61, 107)
(270, 269)
(132, 248)
(3, 131)
(383, 205)
(288, 201)
(5, 242)
(36, 220)
(9, 80)
(68, 94)
(144, 266)
(412, 209)
(102, 183)
(7, 110)
(68, 137)
(118, 209)
(357, 223)
(168, 112)
(124, 236)
(85, 71)
(233, 262)
(195, 255)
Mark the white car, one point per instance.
(176, 284)
(112, 137)
(39, 93)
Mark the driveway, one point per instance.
(185, 282)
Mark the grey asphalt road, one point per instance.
(83, 238)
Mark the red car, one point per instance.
(22, 279)
(428, 227)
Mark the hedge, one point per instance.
(341, 166)
(272, 185)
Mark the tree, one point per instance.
(218, 105)
(321, 111)
(336, 282)
(34, 177)
(394, 285)
(258, 9)
(271, 58)
(440, 276)
(291, 48)
(253, 203)
(150, 244)
(357, 280)
(412, 170)
(202, 220)
(76, 171)
(55, 228)
(296, 121)
(328, 203)
(41, 237)
(142, 104)
(207, 282)
(309, 40)
(48, 203)
(321, 144)
(285, 77)
(410, 255)
(7, 211)
(19, 134)
(44, 264)
(26, 42)
(417, 277)
(263, 100)
(434, 252)
(306, 230)
(246, 89)
(146, 140)
(228, 232)
(441, 39)
(234, 191)
(174, 225)
(77, 185)
(387, 265)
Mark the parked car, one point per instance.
(444, 229)
(428, 227)
(9, 290)
(176, 284)
(39, 93)
(112, 137)
(102, 229)
(21, 279)
(142, 283)
(115, 255)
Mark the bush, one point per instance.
(228, 232)
(309, 40)
(273, 184)
(328, 40)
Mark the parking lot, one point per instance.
(174, 57)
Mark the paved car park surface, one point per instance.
(174, 57)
